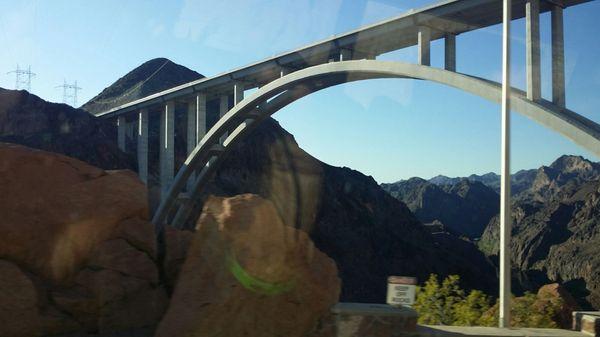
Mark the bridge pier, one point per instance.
(558, 57)
(424, 38)
(223, 108)
(532, 27)
(450, 52)
(142, 145)
(121, 132)
(196, 126)
(167, 149)
(238, 92)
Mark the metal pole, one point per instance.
(505, 217)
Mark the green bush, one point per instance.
(447, 304)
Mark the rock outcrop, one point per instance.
(249, 274)
(77, 253)
(555, 292)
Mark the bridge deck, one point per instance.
(452, 16)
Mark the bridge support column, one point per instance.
(142, 145)
(167, 149)
(532, 25)
(558, 57)
(223, 108)
(238, 93)
(196, 126)
(450, 52)
(424, 38)
(200, 116)
(121, 130)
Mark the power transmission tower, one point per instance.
(69, 92)
(23, 78)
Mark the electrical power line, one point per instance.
(69, 92)
(22, 78)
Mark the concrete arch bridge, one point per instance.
(346, 58)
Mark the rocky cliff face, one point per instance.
(28, 120)
(464, 207)
(556, 230)
(149, 78)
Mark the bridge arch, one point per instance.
(248, 114)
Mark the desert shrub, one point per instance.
(470, 310)
(446, 303)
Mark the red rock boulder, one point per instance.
(77, 253)
(248, 274)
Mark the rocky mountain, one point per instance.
(563, 175)
(29, 120)
(463, 207)
(556, 229)
(151, 77)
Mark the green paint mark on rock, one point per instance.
(255, 284)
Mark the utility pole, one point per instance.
(22, 78)
(69, 92)
(505, 211)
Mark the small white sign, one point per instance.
(401, 290)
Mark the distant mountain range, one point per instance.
(567, 166)
(556, 220)
(489, 179)
(463, 206)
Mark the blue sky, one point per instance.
(390, 129)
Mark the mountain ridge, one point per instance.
(150, 77)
